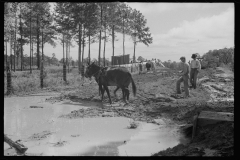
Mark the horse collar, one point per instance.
(96, 73)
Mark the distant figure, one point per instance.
(195, 68)
(184, 77)
(148, 65)
(153, 66)
(140, 67)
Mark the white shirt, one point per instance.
(195, 64)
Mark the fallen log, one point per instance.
(19, 147)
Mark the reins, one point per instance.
(94, 75)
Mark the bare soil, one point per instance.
(156, 98)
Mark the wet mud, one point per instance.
(156, 103)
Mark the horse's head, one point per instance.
(91, 70)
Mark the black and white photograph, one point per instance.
(119, 79)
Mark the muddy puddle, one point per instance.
(37, 125)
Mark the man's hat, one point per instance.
(182, 57)
(194, 56)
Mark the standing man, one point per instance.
(153, 66)
(140, 67)
(195, 68)
(184, 77)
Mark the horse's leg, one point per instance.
(106, 88)
(99, 90)
(102, 90)
(116, 91)
(123, 92)
(127, 93)
(126, 90)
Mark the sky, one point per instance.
(178, 29)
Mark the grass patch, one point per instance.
(24, 83)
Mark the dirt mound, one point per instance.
(212, 140)
(126, 111)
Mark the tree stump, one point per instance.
(19, 147)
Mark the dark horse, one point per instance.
(96, 76)
(112, 76)
(148, 66)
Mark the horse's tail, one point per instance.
(134, 88)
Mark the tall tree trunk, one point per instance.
(89, 58)
(104, 47)
(42, 46)
(68, 43)
(32, 54)
(104, 41)
(17, 60)
(79, 48)
(15, 39)
(21, 40)
(67, 50)
(113, 44)
(11, 50)
(38, 55)
(134, 58)
(63, 51)
(123, 41)
(99, 55)
(41, 68)
(69, 55)
(83, 43)
(30, 39)
(135, 42)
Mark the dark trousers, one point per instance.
(140, 69)
(183, 79)
(193, 77)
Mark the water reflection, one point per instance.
(109, 149)
(149, 140)
(107, 136)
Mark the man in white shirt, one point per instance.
(153, 66)
(195, 66)
(184, 77)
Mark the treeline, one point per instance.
(211, 59)
(82, 23)
(49, 61)
(214, 58)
